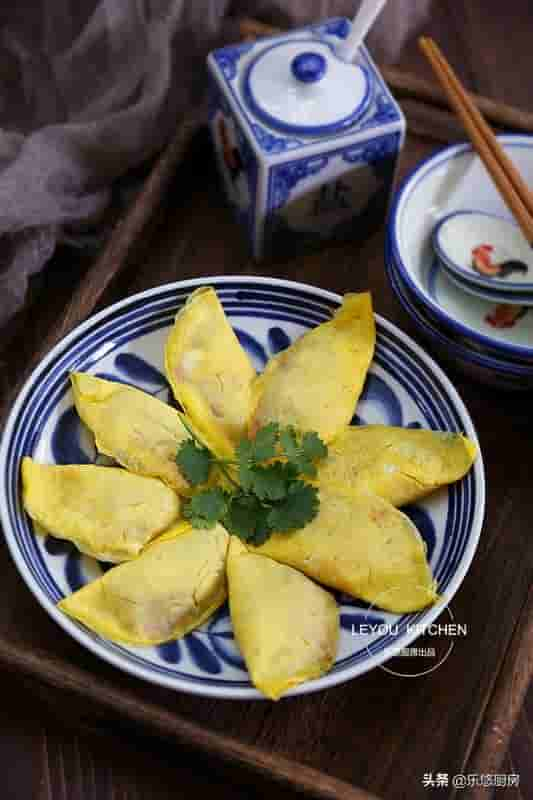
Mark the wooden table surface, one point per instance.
(45, 748)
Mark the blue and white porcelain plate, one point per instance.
(125, 342)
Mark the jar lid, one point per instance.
(303, 87)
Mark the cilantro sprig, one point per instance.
(268, 491)
(194, 460)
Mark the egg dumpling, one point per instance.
(400, 465)
(363, 546)
(106, 512)
(210, 373)
(139, 431)
(176, 583)
(286, 626)
(315, 383)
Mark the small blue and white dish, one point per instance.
(493, 296)
(125, 342)
(451, 180)
(474, 363)
(485, 250)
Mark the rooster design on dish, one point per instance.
(483, 264)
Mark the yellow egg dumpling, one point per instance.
(170, 589)
(209, 372)
(361, 545)
(139, 431)
(398, 464)
(106, 512)
(286, 626)
(315, 383)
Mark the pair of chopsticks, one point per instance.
(509, 182)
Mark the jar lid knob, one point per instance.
(309, 67)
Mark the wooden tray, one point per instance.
(378, 732)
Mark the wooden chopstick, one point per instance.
(525, 195)
(510, 184)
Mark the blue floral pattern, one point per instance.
(66, 441)
(382, 111)
(227, 58)
(209, 647)
(422, 520)
(373, 152)
(137, 369)
(271, 144)
(278, 340)
(254, 349)
(378, 395)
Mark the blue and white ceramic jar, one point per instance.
(307, 143)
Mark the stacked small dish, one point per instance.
(486, 256)
(489, 337)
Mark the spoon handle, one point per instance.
(362, 22)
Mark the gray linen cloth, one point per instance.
(88, 90)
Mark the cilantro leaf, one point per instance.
(302, 454)
(313, 446)
(206, 508)
(245, 457)
(289, 443)
(262, 529)
(303, 466)
(270, 483)
(296, 510)
(265, 442)
(246, 517)
(194, 461)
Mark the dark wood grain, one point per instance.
(48, 756)
(250, 759)
(507, 699)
